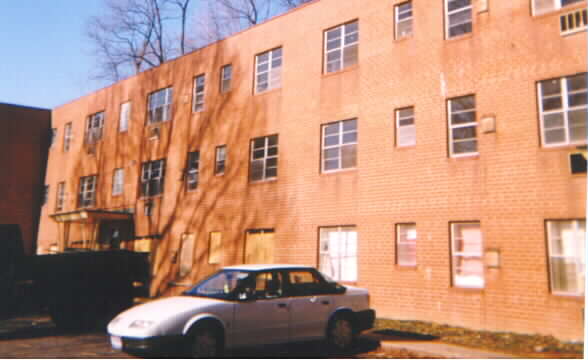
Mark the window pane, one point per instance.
(463, 103)
(464, 133)
(348, 156)
(334, 34)
(350, 138)
(457, 4)
(552, 103)
(463, 118)
(460, 29)
(332, 140)
(555, 136)
(349, 125)
(257, 170)
(331, 164)
(465, 147)
(350, 55)
(577, 82)
(271, 172)
(553, 120)
(331, 153)
(577, 99)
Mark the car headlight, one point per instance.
(141, 324)
(115, 321)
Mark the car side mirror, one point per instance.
(339, 289)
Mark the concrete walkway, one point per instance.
(438, 349)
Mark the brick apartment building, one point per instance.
(417, 148)
(24, 143)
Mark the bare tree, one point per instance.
(290, 4)
(137, 34)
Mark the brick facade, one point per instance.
(511, 187)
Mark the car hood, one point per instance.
(162, 309)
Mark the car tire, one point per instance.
(340, 333)
(205, 342)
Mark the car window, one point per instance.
(221, 285)
(268, 285)
(304, 283)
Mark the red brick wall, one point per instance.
(511, 187)
(24, 141)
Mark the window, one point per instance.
(67, 137)
(562, 103)
(45, 197)
(268, 70)
(199, 93)
(226, 77)
(220, 160)
(118, 182)
(458, 17)
(264, 158)
(152, 176)
(543, 6)
(567, 256)
(406, 238)
(339, 145)
(187, 254)
(338, 252)
(125, 115)
(215, 248)
(159, 106)
(94, 127)
(405, 128)
(52, 136)
(403, 20)
(341, 47)
(192, 170)
(466, 251)
(87, 194)
(462, 126)
(60, 198)
(268, 285)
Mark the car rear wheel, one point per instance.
(340, 333)
(205, 343)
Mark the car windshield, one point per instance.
(221, 285)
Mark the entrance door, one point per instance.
(113, 234)
(259, 246)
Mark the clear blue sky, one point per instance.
(45, 57)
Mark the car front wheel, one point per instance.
(340, 333)
(204, 344)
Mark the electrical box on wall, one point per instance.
(488, 124)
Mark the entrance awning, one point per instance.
(91, 215)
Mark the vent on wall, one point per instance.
(573, 22)
(578, 163)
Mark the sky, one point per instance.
(45, 58)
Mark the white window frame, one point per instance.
(274, 72)
(448, 14)
(265, 157)
(345, 254)
(576, 254)
(400, 128)
(147, 177)
(344, 45)
(53, 138)
(166, 96)
(125, 116)
(339, 146)
(451, 127)
(87, 191)
(60, 196)
(226, 78)
(398, 20)
(118, 182)
(565, 109)
(473, 255)
(199, 92)
(192, 172)
(94, 127)
(557, 4)
(220, 160)
(403, 241)
(67, 136)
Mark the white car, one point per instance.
(247, 305)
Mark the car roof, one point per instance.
(261, 267)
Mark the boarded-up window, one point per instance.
(338, 252)
(187, 254)
(259, 246)
(215, 248)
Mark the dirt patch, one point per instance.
(537, 346)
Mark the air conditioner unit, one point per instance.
(573, 22)
(578, 163)
(154, 133)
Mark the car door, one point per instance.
(310, 304)
(264, 317)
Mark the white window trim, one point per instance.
(341, 229)
(146, 176)
(565, 109)
(217, 160)
(470, 124)
(60, 198)
(193, 171)
(400, 241)
(224, 78)
(448, 13)
(198, 102)
(270, 71)
(338, 146)
(94, 126)
(118, 182)
(576, 225)
(87, 192)
(265, 157)
(398, 126)
(397, 21)
(455, 254)
(67, 137)
(340, 49)
(167, 110)
(557, 6)
(125, 116)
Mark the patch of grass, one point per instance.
(508, 342)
